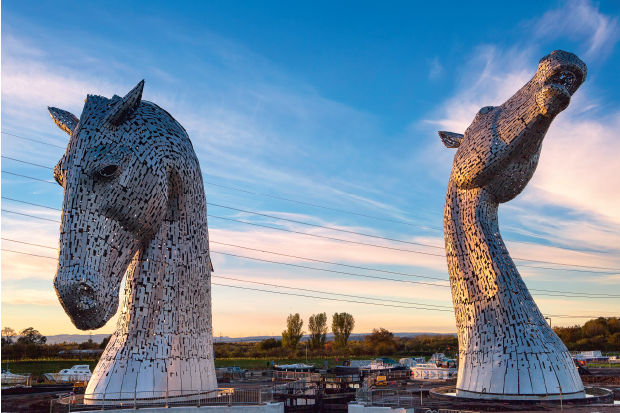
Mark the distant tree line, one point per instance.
(380, 343)
(31, 344)
(598, 334)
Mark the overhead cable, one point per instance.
(34, 140)
(336, 229)
(360, 243)
(355, 213)
(558, 293)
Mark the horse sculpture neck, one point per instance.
(505, 345)
(506, 348)
(164, 329)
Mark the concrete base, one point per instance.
(154, 397)
(263, 408)
(360, 408)
(588, 396)
(491, 396)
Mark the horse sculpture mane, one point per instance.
(134, 204)
(506, 348)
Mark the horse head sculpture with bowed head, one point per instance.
(134, 204)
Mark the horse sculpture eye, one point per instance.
(108, 171)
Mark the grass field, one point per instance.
(38, 367)
(261, 364)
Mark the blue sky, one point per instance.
(329, 104)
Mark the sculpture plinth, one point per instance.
(506, 348)
(134, 204)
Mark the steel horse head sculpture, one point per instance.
(134, 204)
(506, 348)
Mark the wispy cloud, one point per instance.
(577, 174)
(579, 20)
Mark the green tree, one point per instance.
(317, 324)
(342, 326)
(31, 336)
(7, 336)
(594, 328)
(269, 344)
(613, 325)
(105, 342)
(293, 332)
(380, 336)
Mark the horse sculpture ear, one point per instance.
(124, 107)
(451, 139)
(63, 119)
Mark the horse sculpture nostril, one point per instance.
(85, 295)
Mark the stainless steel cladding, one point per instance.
(506, 348)
(134, 205)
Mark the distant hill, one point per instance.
(75, 338)
(97, 338)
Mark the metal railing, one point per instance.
(384, 398)
(295, 375)
(24, 379)
(341, 379)
(399, 398)
(140, 399)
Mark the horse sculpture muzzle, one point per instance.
(99, 236)
(77, 290)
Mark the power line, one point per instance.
(323, 207)
(329, 262)
(34, 140)
(389, 239)
(331, 299)
(332, 271)
(29, 177)
(30, 203)
(29, 163)
(394, 248)
(324, 292)
(360, 302)
(560, 293)
(281, 286)
(30, 216)
(396, 221)
(378, 270)
(318, 206)
(325, 237)
(568, 265)
(27, 243)
(326, 227)
(308, 296)
(33, 255)
(361, 243)
(354, 213)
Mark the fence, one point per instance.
(351, 378)
(385, 398)
(11, 378)
(302, 386)
(399, 398)
(295, 375)
(220, 397)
